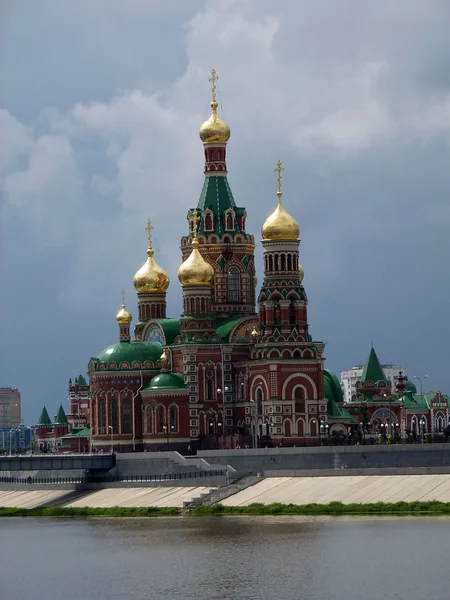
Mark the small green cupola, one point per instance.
(61, 418)
(373, 380)
(44, 419)
(80, 380)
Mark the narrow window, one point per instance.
(233, 285)
(126, 416)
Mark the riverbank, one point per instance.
(333, 508)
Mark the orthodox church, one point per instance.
(224, 374)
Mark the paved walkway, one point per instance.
(345, 489)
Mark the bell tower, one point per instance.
(222, 236)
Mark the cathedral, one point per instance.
(240, 367)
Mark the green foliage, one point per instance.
(333, 508)
(114, 511)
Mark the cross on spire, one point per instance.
(212, 80)
(149, 230)
(123, 296)
(278, 171)
(194, 220)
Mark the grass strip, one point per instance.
(113, 511)
(333, 508)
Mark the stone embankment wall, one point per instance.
(334, 458)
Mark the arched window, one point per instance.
(114, 423)
(202, 304)
(148, 419)
(101, 417)
(212, 155)
(233, 285)
(277, 313)
(192, 306)
(208, 222)
(292, 312)
(259, 401)
(126, 416)
(299, 393)
(289, 262)
(283, 262)
(209, 389)
(276, 262)
(173, 418)
(160, 418)
(270, 263)
(229, 225)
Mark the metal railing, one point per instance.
(98, 478)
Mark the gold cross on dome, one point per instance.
(212, 80)
(278, 170)
(149, 230)
(123, 296)
(194, 220)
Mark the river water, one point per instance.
(225, 558)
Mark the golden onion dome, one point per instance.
(280, 225)
(195, 270)
(151, 278)
(301, 272)
(123, 316)
(214, 130)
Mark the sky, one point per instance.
(100, 106)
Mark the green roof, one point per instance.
(226, 327)
(166, 381)
(61, 418)
(409, 385)
(80, 380)
(130, 352)
(372, 369)
(171, 328)
(332, 387)
(44, 419)
(81, 433)
(420, 401)
(217, 196)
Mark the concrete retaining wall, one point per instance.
(401, 456)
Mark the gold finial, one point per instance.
(149, 230)
(254, 333)
(212, 80)
(164, 357)
(123, 297)
(194, 219)
(278, 171)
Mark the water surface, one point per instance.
(235, 558)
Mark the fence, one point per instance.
(113, 478)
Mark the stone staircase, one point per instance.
(217, 495)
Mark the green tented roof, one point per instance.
(372, 369)
(61, 418)
(80, 380)
(44, 419)
(167, 381)
(217, 196)
(130, 352)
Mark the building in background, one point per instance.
(352, 376)
(67, 432)
(10, 409)
(15, 440)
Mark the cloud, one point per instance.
(355, 99)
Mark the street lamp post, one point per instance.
(112, 438)
(11, 431)
(167, 429)
(324, 428)
(252, 421)
(219, 391)
(422, 424)
(421, 379)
